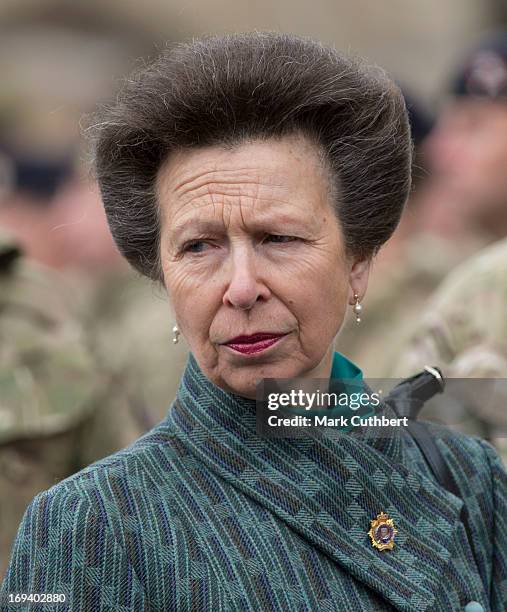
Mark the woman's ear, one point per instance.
(358, 280)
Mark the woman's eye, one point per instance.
(280, 239)
(197, 246)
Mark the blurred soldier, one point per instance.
(464, 332)
(457, 210)
(52, 395)
(467, 150)
(464, 325)
(59, 219)
(468, 156)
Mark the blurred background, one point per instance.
(107, 369)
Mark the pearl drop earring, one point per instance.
(357, 308)
(176, 334)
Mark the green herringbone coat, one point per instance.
(203, 514)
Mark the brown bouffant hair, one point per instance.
(229, 89)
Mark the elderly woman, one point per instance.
(255, 176)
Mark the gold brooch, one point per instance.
(382, 532)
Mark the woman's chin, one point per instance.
(243, 380)
(240, 381)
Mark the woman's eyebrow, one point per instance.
(198, 225)
(262, 223)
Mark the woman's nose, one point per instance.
(245, 287)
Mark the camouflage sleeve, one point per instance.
(498, 594)
(427, 346)
(463, 327)
(65, 547)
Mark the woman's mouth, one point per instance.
(255, 343)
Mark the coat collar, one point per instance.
(344, 368)
(328, 488)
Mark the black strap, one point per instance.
(407, 399)
(434, 458)
(410, 395)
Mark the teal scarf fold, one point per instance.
(343, 368)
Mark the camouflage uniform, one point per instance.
(464, 332)
(57, 412)
(130, 321)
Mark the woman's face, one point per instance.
(250, 245)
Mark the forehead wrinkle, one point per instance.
(215, 194)
(240, 190)
(205, 198)
(261, 206)
(225, 205)
(225, 177)
(259, 194)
